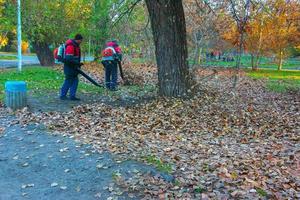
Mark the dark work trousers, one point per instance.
(70, 83)
(111, 74)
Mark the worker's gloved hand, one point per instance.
(79, 65)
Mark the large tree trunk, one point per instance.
(44, 53)
(169, 32)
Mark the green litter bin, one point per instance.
(15, 94)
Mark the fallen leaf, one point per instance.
(54, 184)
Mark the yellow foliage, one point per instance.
(24, 46)
(74, 7)
(232, 35)
(1, 7)
(3, 40)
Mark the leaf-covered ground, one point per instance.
(135, 73)
(225, 143)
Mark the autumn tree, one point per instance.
(3, 33)
(43, 24)
(96, 26)
(7, 25)
(257, 32)
(134, 30)
(202, 32)
(52, 22)
(272, 28)
(240, 11)
(283, 25)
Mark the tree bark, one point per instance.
(43, 53)
(280, 60)
(199, 56)
(240, 49)
(258, 56)
(169, 32)
(259, 48)
(252, 61)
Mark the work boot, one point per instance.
(113, 89)
(63, 98)
(74, 99)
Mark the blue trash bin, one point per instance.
(15, 94)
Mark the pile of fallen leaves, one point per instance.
(226, 143)
(140, 74)
(134, 73)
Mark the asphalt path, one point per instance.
(26, 61)
(35, 164)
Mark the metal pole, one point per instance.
(19, 38)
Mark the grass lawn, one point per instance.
(266, 63)
(7, 57)
(2, 53)
(45, 80)
(40, 80)
(279, 81)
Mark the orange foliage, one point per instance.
(270, 30)
(282, 25)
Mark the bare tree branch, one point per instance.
(128, 11)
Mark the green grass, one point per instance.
(266, 63)
(278, 81)
(6, 57)
(275, 74)
(46, 80)
(159, 164)
(261, 192)
(116, 175)
(40, 80)
(199, 190)
(2, 53)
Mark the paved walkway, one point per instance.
(37, 165)
(26, 60)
